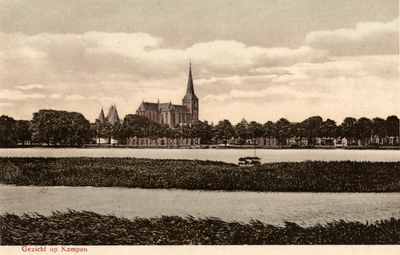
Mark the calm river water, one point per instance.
(226, 155)
(273, 208)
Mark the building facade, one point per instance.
(173, 115)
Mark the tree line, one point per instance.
(73, 129)
(311, 129)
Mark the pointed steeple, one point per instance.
(190, 100)
(190, 90)
(112, 115)
(101, 117)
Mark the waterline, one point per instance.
(225, 155)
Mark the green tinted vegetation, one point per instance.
(88, 228)
(308, 176)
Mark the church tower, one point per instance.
(190, 100)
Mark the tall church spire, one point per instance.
(190, 90)
(190, 100)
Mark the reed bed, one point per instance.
(307, 176)
(88, 228)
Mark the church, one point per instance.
(174, 116)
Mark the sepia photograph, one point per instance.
(203, 127)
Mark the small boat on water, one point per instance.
(249, 161)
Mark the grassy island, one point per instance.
(307, 176)
(88, 228)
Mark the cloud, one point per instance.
(30, 86)
(90, 70)
(270, 94)
(18, 95)
(54, 57)
(354, 84)
(56, 96)
(367, 38)
(232, 57)
(74, 97)
(123, 43)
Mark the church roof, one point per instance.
(162, 107)
(148, 107)
(165, 107)
(112, 115)
(101, 117)
(190, 90)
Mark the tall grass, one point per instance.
(308, 176)
(88, 228)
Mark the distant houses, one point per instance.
(162, 142)
(339, 142)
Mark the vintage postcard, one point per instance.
(199, 126)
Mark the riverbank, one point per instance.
(218, 146)
(307, 176)
(88, 228)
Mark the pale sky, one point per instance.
(258, 60)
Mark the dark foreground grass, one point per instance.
(88, 228)
(308, 176)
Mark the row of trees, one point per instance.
(142, 127)
(311, 129)
(71, 128)
(47, 126)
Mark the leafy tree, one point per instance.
(242, 131)
(204, 131)
(7, 131)
(256, 130)
(348, 128)
(96, 130)
(60, 127)
(133, 125)
(329, 128)
(282, 130)
(78, 129)
(269, 130)
(44, 126)
(297, 130)
(22, 132)
(224, 131)
(313, 128)
(378, 126)
(142, 127)
(363, 129)
(117, 132)
(392, 125)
